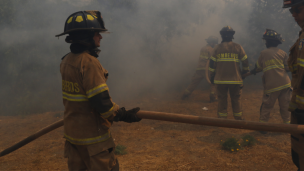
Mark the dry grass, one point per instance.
(158, 145)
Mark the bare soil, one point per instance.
(158, 145)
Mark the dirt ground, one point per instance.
(158, 145)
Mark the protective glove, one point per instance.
(212, 78)
(253, 72)
(127, 115)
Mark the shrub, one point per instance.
(120, 150)
(231, 144)
(248, 140)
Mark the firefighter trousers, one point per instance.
(79, 158)
(297, 141)
(196, 79)
(269, 100)
(235, 91)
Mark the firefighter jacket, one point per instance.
(225, 63)
(205, 55)
(296, 66)
(273, 63)
(83, 81)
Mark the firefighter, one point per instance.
(200, 73)
(273, 63)
(89, 110)
(296, 66)
(225, 72)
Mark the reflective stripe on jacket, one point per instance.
(83, 77)
(225, 63)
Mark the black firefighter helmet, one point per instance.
(84, 21)
(273, 35)
(291, 3)
(227, 32)
(212, 39)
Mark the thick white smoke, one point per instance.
(153, 46)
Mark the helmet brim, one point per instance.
(281, 41)
(81, 29)
(227, 32)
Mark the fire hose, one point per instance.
(189, 119)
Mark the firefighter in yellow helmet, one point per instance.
(89, 109)
(296, 66)
(200, 73)
(273, 63)
(225, 72)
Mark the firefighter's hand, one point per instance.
(212, 79)
(127, 115)
(245, 74)
(253, 72)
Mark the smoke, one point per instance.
(153, 47)
(160, 42)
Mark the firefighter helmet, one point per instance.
(227, 30)
(273, 35)
(84, 21)
(291, 3)
(212, 39)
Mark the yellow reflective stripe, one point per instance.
(244, 58)
(228, 60)
(301, 62)
(99, 89)
(273, 67)
(292, 106)
(238, 114)
(245, 68)
(299, 99)
(263, 121)
(108, 113)
(199, 69)
(227, 82)
(74, 97)
(278, 88)
(88, 141)
(286, 122)
(204, 57)
(223, 114)
(212, 70)
(213, 58)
